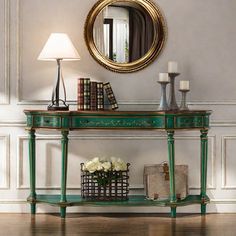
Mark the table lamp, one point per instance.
(57, 48)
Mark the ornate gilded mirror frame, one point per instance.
(159, 37)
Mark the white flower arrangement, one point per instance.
(100, 164)
(106, 178)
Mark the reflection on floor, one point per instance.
(117, 224)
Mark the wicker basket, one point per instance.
(105, 186)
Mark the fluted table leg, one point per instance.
(32, 197)
(204, 155)
(171, 156)
(64, 145)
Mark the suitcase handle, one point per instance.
(166, 171)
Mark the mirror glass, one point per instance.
(123, 32)
(125, 36)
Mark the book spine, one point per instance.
(93, 96)
(100, 96)
(80, 94)
(110, 96)
(86, 94)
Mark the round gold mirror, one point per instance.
(125, 35)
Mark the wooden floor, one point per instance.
(117, 224)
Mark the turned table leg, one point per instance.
(32, 197)
(204, 152)
(171, 156)
(64, 146)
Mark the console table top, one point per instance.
(111, 112)
(73, 120)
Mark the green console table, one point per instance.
(64, 121)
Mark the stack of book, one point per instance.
(91, 95)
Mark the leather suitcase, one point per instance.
(157, 184)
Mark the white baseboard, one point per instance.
(24, 207)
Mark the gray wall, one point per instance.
(201, 37)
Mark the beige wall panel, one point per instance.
(200, 37)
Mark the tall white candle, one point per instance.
(164, 77)
(184, 85)
(172, 67)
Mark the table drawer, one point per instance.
(189, 122)
(116, 123)
(47, 121)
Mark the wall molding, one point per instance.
(194, 102)
(5, 75)
(15, 201)
(224, 185)
(12, 123)
(218, 123)
(22, 138)
(6, 156)
(155, 103)
(224, 201)
(18, 51)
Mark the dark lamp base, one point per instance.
(53, 107)
(50, 108)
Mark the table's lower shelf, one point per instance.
(134, 200)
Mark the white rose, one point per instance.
(86, 165)
(106, 166)
(116, 166)
(119, 165)
(95, 159)
(92, 166)
(99, 166)
(123, 165)
(96, 164)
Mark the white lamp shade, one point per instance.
(59, 46)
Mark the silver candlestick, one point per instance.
(163, 102)
(172, 101)
(183, 105)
